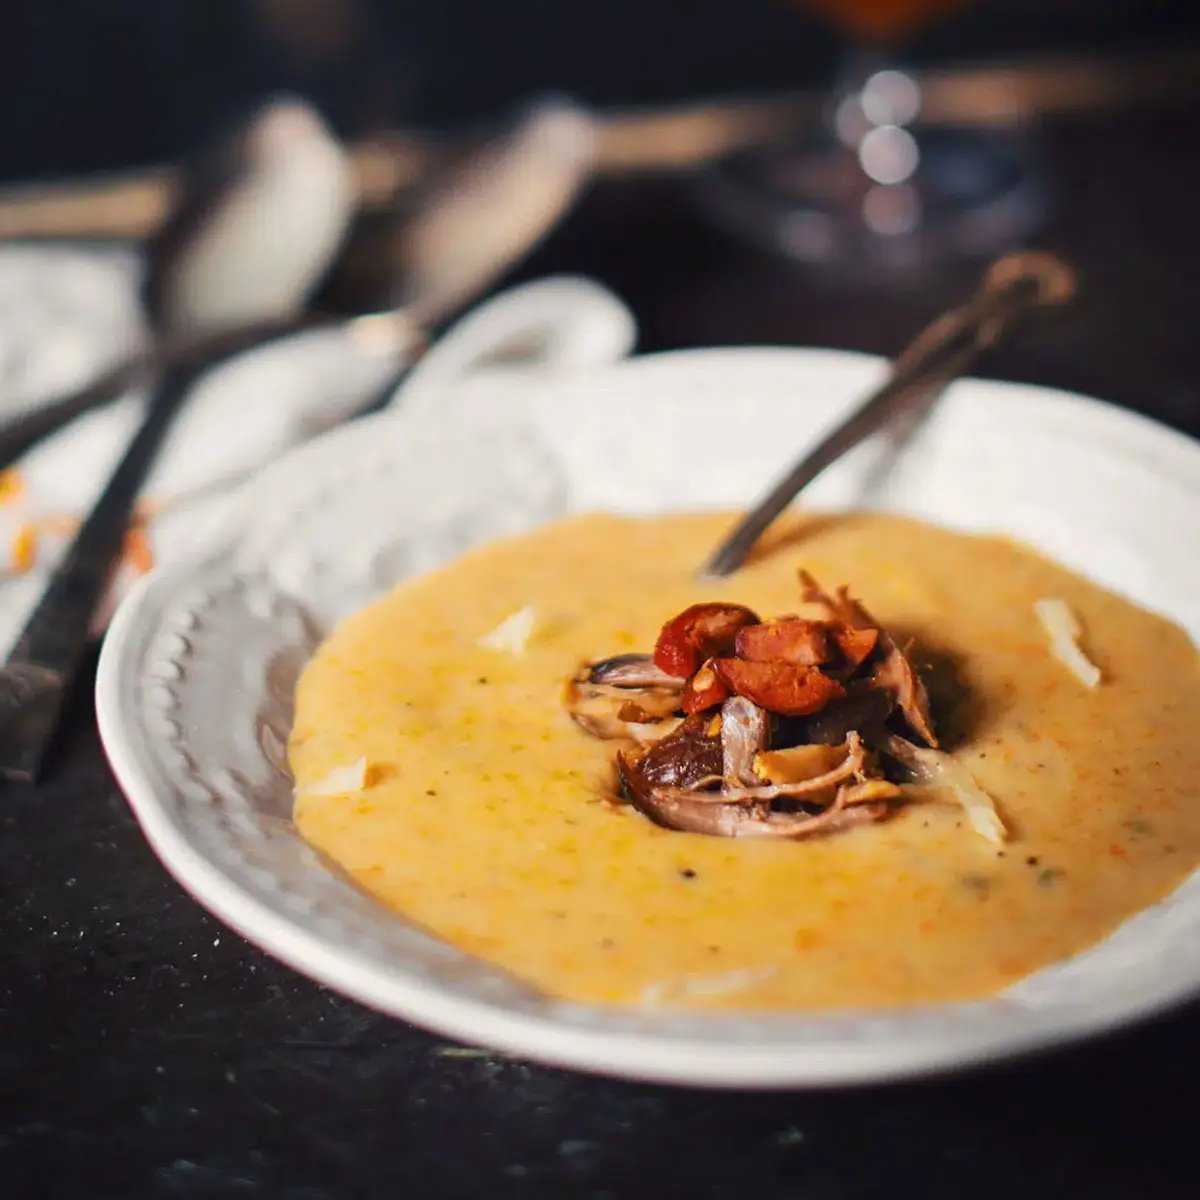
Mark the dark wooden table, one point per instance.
(147, 1051)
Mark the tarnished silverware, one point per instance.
(467, 230)
(247, 249)
(213, 272)
(1013, 288)
(498, 208)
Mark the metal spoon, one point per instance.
(466, 231)
(481, 220)
(501, 221)
(213, 269)
(1013, 288)
(473, 226)
(218, 267)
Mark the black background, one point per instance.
(92, 84)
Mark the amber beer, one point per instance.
(878, 20)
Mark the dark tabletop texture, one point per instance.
(147, 1051)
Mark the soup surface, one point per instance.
(481, 816)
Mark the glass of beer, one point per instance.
(875, 189)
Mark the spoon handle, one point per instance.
(1013, 288)
(21, 433)
(37, 677)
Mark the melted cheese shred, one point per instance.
(480, 815)
(1064, 631)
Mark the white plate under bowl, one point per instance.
(195, 680)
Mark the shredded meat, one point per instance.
(863, 708)
(683, 811)
(855, 644)
(748, 728)
(744, 733)
(896, 676)
(795, 763)
(684, 758)
(632, 671)
(850, 767)
(617, 712)
(895, 673)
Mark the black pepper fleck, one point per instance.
(688, 873)
(482, 679)
(606, 943)
(430, 792)
(1032, 861)
(980, 885)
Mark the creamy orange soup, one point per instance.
(481, 813)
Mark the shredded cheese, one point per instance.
(704, 985)
(941, 770)
(513, 633)
(1062, 627)
(340, 780)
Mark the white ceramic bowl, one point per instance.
(195, 680)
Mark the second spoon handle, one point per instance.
(36, 679)
(1013, 287)
(21, 433)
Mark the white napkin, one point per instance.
(67, 313)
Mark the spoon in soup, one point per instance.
(1013, 289)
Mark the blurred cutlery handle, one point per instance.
(559, 323)
(38, 675)
(22, 432)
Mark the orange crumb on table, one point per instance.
(138, 551)
(12, 485)
(23, 551)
